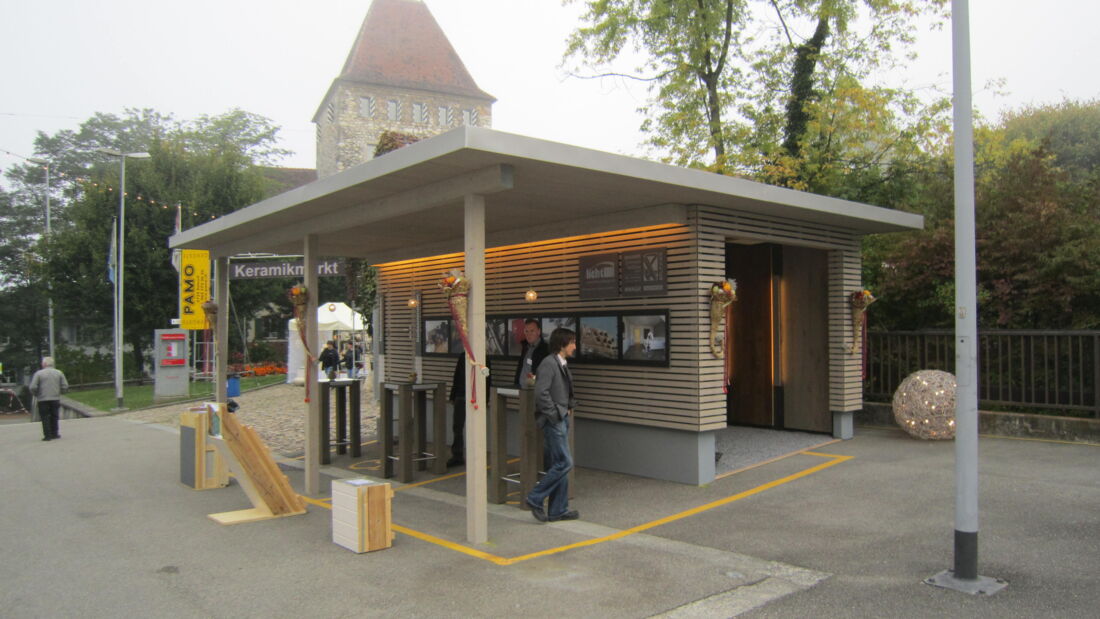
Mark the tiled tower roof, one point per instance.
(400, 44)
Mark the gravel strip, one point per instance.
(277, 413)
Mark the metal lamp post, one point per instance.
(49, 298)
(119, 283)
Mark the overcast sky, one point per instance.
(63, 60)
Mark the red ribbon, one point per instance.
(863, 344)
(728, 357)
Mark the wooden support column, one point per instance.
(221, 330)
(313, 411)
(477, 508)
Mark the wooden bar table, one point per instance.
(344, 414)
(411, 429)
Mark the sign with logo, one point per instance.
(640, 273)
(194, 288)
(284, 268)
(645, 272)
(599, 276)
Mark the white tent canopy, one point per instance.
(331, 317)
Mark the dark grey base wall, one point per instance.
(660, 453)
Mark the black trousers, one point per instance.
(458, 428)
(48, 412)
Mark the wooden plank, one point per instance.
(803, 320)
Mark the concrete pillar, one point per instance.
(313, 410)
(477, 497)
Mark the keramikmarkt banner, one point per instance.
(286, 268)
(194, 288)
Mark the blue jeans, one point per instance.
(555, 484)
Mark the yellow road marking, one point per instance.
(834, 459)
(775, 459)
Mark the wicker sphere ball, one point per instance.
(924, 405)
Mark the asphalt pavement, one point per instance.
(97, 524)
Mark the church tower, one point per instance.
(402, 74)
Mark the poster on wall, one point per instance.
(456, 342)
(515, 336)
(496, 337)
(555, 322)
(437, 336)
(599, 276)
(599, 338)
(645, 272)
(645, 337)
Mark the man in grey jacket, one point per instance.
(46, 386)
(554, 403)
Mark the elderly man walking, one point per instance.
(46, 386)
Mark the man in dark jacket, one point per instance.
(534, 351)
(330, 359)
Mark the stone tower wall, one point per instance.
(356, 114)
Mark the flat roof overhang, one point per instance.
(410, 201)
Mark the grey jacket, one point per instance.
(553, 389)
(47, 384)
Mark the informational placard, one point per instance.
(171, 365)
(599, 276)
(645, 272)
(194, 288)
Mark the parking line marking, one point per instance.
(834, 459)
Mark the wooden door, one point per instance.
(750, 398)
(804, 335)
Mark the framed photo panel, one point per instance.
(496, 337)
(549, 323)
(598, 338)
(437, 336)
(645, 338)
(515, 336)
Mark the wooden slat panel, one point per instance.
(604, 391)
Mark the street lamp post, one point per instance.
(119, 283)
(49, 285)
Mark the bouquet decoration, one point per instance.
(456, 289)
(722, 295)
(299, 299)
(858, 301)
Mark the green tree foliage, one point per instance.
(782, 90)
(1037, 229)
(1070, 130)
(207, 165)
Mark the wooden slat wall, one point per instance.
(845, 369)
(671, 397)
(715, 226)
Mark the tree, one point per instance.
(1036, 231)
(737, 89)
(207, 166)
(688, 45)
(1070, 130)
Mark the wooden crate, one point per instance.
(201, 466)
(361, 515)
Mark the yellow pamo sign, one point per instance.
(194, 288)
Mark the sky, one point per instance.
(64, 60)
